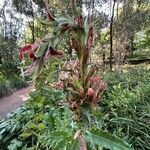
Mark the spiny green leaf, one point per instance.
(106, 140)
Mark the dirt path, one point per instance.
(9, 104)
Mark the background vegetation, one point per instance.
(122, 43)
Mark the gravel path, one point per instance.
(9, 104)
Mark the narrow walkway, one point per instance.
(9, 104)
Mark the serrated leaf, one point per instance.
(15, 144)
(106, 140)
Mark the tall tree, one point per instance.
(111, 34)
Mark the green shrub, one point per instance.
(127, 107)
(31, 125)
(17, 82)
(5, 89)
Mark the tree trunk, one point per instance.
(117, 10)
(33, 28)
(131, 45)
(79, 3)
(111, 36)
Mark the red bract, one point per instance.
(53, 52)
(98, 85)
(32, 56)
(49, 16)
(29, 49)
(79, 20)
(56, 53)
(90, 43)
(74, 44)
(85, 55)
(95, 79)
(35, 45)
(91, 92)
(66, 26)
(24, 50)
(91, 32)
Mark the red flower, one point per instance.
(91, 92)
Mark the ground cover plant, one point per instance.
(40, 123)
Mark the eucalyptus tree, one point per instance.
(133, 17)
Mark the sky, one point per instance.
(1, 3)
(105, 8)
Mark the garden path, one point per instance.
(10, 103)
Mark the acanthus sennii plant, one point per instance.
(84, 89)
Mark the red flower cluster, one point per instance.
(97, 87)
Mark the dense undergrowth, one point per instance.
(10, 83)
(44, 123)
(10, 78)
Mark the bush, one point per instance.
(17, 82)
(31, 125)
(5, 89)
(11, 81)
(127, 106)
